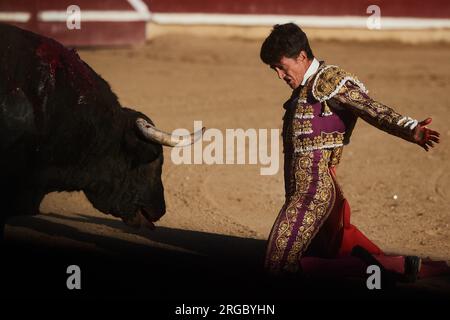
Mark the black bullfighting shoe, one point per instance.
(412, 267)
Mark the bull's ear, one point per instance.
(141, 151)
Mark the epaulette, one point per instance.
(329, 80)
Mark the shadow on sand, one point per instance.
(180, 264)
(177, 265)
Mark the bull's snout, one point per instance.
(156, 212)
(145, 217)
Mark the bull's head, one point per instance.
(135, 192)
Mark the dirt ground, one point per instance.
(176, 79)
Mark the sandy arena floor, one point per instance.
(176, 79)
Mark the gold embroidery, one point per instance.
(326, 111)
(316, 214)
(355, 95)
(304, 111)
(335, 157)
(302, 127)
(285, 223)
(325, 140)
(316, 143)
(329, 81)
(375, 113)
(303, 95)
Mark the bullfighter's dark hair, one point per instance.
(285, 40)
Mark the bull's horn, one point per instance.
(166, 139)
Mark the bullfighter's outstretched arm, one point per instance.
(351, 96)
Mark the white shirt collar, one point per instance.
(311, 70)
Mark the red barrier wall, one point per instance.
(92, 32)
(118, 22)
(397, 8)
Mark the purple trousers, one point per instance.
(308, 224)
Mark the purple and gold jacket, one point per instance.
(322, 114)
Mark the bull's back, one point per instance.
(44, 84)
(17, 55)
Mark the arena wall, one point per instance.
(124, 22)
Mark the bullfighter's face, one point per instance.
(292, 70)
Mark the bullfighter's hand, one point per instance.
(424, 137)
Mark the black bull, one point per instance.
(63, 129)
